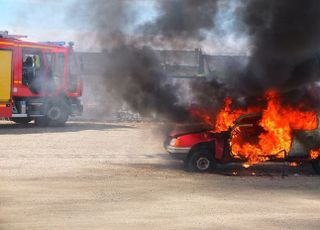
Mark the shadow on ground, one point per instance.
(268, 169)
(15, 129)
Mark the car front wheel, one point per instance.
(201, 160)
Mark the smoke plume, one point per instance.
(285, 37)
(135, 75)
(183, 19)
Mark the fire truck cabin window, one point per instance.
(56, 64)
(33, 68)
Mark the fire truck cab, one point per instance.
(38, 81)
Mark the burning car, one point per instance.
(247, 136)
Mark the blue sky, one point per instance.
(40, 20)
(34, 13)
(43, 20)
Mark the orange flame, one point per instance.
(314, 154)
(226, 117)
(293, 164)
(276, 126)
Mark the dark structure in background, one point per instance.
(176, 63)
(198, 74)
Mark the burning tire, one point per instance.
(21, 120)
(316, 165)
(201, 160)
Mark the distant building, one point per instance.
(176, 63)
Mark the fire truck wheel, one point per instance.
(316, 165)
(21, 120)
(201, 160)
(57, 114)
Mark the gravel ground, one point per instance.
(91, 175)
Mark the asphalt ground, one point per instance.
(100, 175)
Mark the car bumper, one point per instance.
(179, 153)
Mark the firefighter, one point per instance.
(28, 71)
(36, 61)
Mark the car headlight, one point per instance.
(173, 142)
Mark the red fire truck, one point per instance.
(38, 81)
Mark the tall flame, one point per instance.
(226, 117)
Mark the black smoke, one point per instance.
(285, 36)
(135, 75)
(183, 19)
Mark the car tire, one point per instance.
(21, 120)
(201, 160)
(316, 165)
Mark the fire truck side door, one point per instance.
(5, 83)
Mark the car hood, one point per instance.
(181, 130)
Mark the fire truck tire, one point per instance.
(21, 120)
(201, 160)
(316, 166)
(57, 114)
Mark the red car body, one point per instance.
(202, 148)
(185, 142)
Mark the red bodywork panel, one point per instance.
(192, 139)
(189, 140)
(220, 148)
(5, 109)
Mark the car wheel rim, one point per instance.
(203, 163)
